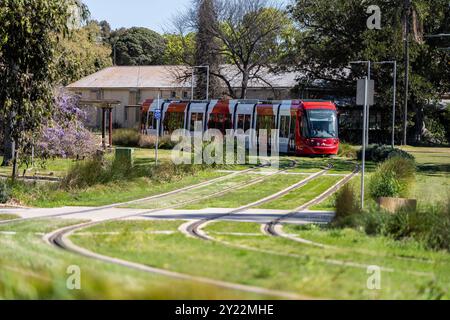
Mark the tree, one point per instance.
(138, 47)
(333, 33)
(180, 49)
(250, 35)
(29, 33)
(206, 50)
(82, 53)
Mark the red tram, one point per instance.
(306, 127)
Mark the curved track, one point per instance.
(60, 239)
(273, 228)
(195, 228)
(158, 196)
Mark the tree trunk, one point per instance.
(8, 144)
(244, 87)
(418, 121)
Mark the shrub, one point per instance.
(393, 178)
(346, 205)
(149, 142)
(347, 151)
(380, 153)
(5, 192)
(126, 138)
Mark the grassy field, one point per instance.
(302, 195)
(273, 263)
(5, 217)
(30, 269)
(238, 198)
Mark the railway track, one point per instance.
(273, 228)
(121, 204)
(194, 229)
(60, 239)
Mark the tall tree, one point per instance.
(206, 50)
(249, 34)
(138, 47)
(333, 33)
(82, 53)
(29, 33)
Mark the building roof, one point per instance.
(142, 77)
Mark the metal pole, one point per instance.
(369, 71)
(405, 116)
(394, 106)
(364, 141)
(207, 82)
(158, 123)
(192, 84)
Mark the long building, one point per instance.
(132, 85)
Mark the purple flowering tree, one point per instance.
(64, 135)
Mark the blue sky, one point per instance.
(153, 14)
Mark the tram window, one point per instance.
(173, 121)
(321, 124)
(285, 123)
(195, 117)
(265, 122)
(244, 122)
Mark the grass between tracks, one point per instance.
(298, 197)
(250, 194)
(280, 264)
(31, 269)
(4, 217)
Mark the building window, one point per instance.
(125, 114)
(173, 94)
(185, 95)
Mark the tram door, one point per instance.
(287, 125)
(244, 120)
(197, 113)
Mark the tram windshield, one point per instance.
(321, 124)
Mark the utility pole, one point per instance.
(407, 31)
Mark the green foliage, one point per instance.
(393, 178)
(347, 151)
(380, 153)
(332, 33)
(428, 225)
(180, 49)
(384, 184)
(81, 54)
(139, 47)
(5, 192)
(29, 34)
(126, 138)
(347, 204)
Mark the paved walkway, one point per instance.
(250, 215)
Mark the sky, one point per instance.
(152, 14)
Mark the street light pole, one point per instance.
(407, 27)
(367, 117)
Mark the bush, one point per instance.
(5, 192)
(429, 226)
(347, 205)
(347, 151)
(380, 153)
(149, 142)
(126, 138)
(393, 178)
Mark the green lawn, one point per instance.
(4, 217)
(48, 196)
(30, 269)
(298, 197)
(250, 194)
(268, 262)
